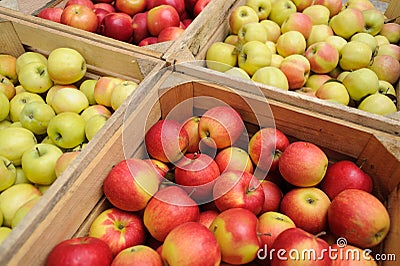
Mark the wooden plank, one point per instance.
(9, 40)
(393, 10)
(391, 245)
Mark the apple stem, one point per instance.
(42, 72)
(362, 163)
(9, 164)
(214, 228)
(38, 151)
(320, 234)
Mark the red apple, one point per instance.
(199, 6)
(323, 57)
(103, 1)
(187, 22)
(170, 207)
(148, 41)
(139, 254)
(80, 17)
(234, 159)
(130, 7)
(179, 5)
(139, 26)
(80, 251)
(237, 189)
(166, 141)
(100, 13)
(87, 3)
(130, 184)
(189, 6)
(271, 224)
(119, 229)
(303, 164)
(266, 146)
(161, 17)
(207, 217)
(334, 6)
(105, 6)
(51, 13)
(169, 34)
(272, 196)
(159, 167)
(117, 26)
(297, 69)
(191, 126)
(345, 174)
(359, 217)
(191, 243)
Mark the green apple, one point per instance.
(254, 55)
(87, 87)
(386, 88)
(272, 28)
(69, 100)
(333, 92)
(23, 211)
(19, 89)
(276, 60)
(56, 87)
(291, 42)
(373, 21)
(67, 130)
(391, 31)
(104, 88)
(4, 232)
(280, 10)
(4, 106)
(378, 104)
(337, 41)
(355, 55)
(381, 40)
(121, 92)
(29, 57)
(93, 125)
(14, 197)
(366, 38)
(347, 22)
(360, 83)
(47, 140)
(35, 116)
(231, 39)
(342, 75)
(271, 76)
(8, 173)
(14, 141)
(34, 77)
(221, 56)
(7, 87)
(389, 49)
(94, 110)
(319, 33)
(18, 102)
(43, 188)
(315, 81)
(8, 67)
(4, 124)
(253, 31)
(318, 14)
(66, 65)
(21, 177)
(39, 163)
(241, 15)
(64, 161)
(237, 72)
(262, 7)
(16, 124)
(386, 68)
(1, 220)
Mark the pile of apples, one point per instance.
(343, 52)
(140, 22)
(48, 112)
(201, 198)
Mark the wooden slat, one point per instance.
(9, 40)
(393, 10)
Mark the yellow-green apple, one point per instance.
(381, 40)
(272, 46)
(34, 77)
(359, 217)
(21, 178)
(318, 14)
(64, 161)
(51, 13)
(23, 211)
(273, 29)
(391, 32)
(206, 217)
(234, 158)
(366, 38)
(280, 10)
(14, 197)
(39, 163)
(308, 249)
(270, 225)
(16, 124)
(87, 250)
(236, 232)
(191, 126)
(168, 208)
(93, 125)
(220, 126)
(238, 189)
(252, 31)
(121, 92)
(291, 42)
(315, 81)
(351, 256)
(319, 33)
(7, 87)
(389, 49)
(8, 67)
(180, 249)
(298, 22)
(303, 164)
(241, 15)
(386, 88)
(66, 65)
(166, 140)
(161, 17)
(29, 57)
(196, 173)
(4, 123)
(35, 116)
(233, 39)
(360, 83)
(67, 130)
(276, 61)
(14, 141)
(43, 188)
(271, 76)
(323, 57)
(87, 87)
(378, 104)
(386, 68)
(221, 56)
(96, 109)
(237, 72)
(4, 232)
(302, 4)
(349, 16)
(69, 100)
(1, 218)
(355, 55)
(140, 254)
(19, 89)
(373, 21)
(55, 88)
(359, 4)
(130, 184)
(334, 6)
(79, 16)
(4, 107)
(272, 196)
(307, 207)
(342, 75)
(334, 92)
(262, 7)
(254, 55)
(8, 173)
(296, 69)
(119, 229)
(337, 41)
(104, 88)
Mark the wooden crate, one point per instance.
(72, 214)
(17, 37)
(196, 52)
